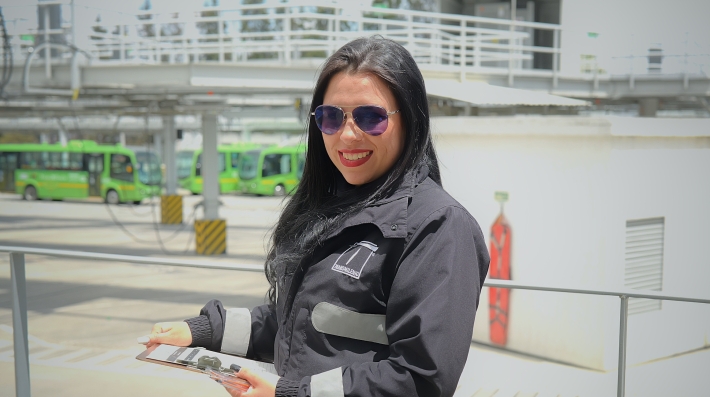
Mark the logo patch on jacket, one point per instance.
(353, 260)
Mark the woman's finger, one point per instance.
(249, 377)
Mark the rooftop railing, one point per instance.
(305, 32)
(19, 300)
(291, 33)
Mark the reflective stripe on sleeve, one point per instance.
(328, 384)
(237, 332)
(335, 320)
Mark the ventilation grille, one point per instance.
(643, 268)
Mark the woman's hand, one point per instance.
(260, 387)
(176, 333)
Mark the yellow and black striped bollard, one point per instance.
(211, 236)
(171, 209)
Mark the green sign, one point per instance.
(592, 35)
(27, 37)
(501, 197)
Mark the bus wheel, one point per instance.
(279, 190)
(30, 193)
(112, 197)
(137, 202)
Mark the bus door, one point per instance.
(95, 166)
(8, 165)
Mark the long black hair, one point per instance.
(315, 210)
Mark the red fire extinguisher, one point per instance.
(499, 298)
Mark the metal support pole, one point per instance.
(210, 166)
(19, 324)
(623, 320)
(169, 139)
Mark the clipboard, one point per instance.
(180, 357)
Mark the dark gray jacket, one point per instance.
(384, 308)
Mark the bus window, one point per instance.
(275, 164)
(198, 165)
(76, 161)
(31, 161)
(148, 169)
(62, 161)
(247, 165)
(184, 164)
(235, 160)
(121, 167)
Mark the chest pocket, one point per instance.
(352, 262)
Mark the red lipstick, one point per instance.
(350, 152)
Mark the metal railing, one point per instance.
(306, 32)
(19, 300)
(295, 32)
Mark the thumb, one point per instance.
(249, 376)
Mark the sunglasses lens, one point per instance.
(329, 119)
(371, 119)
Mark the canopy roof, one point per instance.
(483, 94)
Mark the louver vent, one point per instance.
(644, 261)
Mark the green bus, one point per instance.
(273, 171)
(78, 170)
(189, 167)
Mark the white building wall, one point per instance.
(573, 183)
(631, 27)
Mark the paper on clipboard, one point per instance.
(170, 355)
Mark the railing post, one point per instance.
(623, 322)
(477, 51)
(513, 9)
(122, 42)
(19, 324)
(220, 36)
(156, 26)
(462, 41)
(287, 35)
(555, 56)
(410, 33)
(47, 50)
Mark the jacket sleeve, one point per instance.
(235, 331)
(429, 318)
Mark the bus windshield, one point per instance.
(148, 168)
(184, 164)
(248, 164)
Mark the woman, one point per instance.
(375, 271)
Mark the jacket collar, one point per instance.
(389, 213)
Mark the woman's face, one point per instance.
(362, 158)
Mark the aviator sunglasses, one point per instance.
(371, 119)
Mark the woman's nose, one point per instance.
(350, 132)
